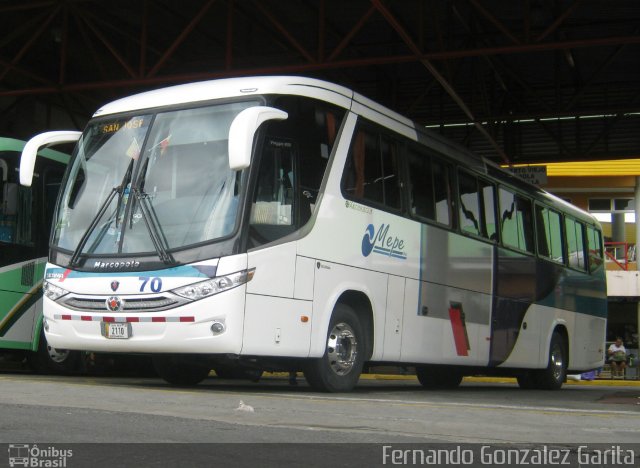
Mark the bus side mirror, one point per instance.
(30, 151)
(242, 130)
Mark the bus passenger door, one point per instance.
(274, 323)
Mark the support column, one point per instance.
(617, 227)
(637, 211)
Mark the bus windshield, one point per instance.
(151, 183)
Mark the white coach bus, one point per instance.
(289, 223)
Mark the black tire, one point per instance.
(555, 374)
(339, 369)
(49, 359)
(438, 377)
(179, 370)
(527, 381)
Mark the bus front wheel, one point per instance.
(339, 369)
(50, 359)
(180, 371)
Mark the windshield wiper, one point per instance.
(96, 219)
(94, 222)
(153, 226)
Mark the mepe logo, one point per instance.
(382, 243)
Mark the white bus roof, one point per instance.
(231, 87)
(300, 86)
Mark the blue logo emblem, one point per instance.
(368, 240)
(382, 243)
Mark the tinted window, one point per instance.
(442, 192)
(516, 221)
(575, 244)
(290, 166)
(421, 185)
(595, 248)
(371, 173)
(487, 191)
(549, 230)
(470, 219)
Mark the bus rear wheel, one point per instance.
(527, 380)
(555, 374)
(438, 377)
(179, 370)
(339, 369)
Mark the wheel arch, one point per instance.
(361, 305)
(559, 327)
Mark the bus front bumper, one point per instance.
(210, 326)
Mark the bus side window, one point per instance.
(292, 164)
(549, 234)
(390, 173)
(595, 249)
(469, 204)
(422, 203)
(52, 177)
(272, 208)
(371, 172)
(477, 206)
(8, 204)
(516, 221)
(442, 192)
(575, 244)
(24, 231)
(488, 203)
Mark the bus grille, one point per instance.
(133, 304)
(28, 271)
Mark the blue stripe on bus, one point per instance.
(184, 271)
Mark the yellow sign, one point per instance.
(113, 127)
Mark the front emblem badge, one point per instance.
(114, 285)
(114, 304)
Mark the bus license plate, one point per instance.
(118, 331)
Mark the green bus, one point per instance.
(25, 220)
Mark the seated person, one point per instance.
(617, 357)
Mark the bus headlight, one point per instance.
(215, 285)
(52, 291)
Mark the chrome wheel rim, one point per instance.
(342, 348)
(557, 363)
